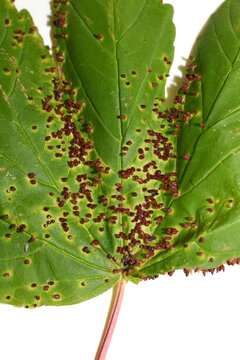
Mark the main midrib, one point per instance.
(119, 102)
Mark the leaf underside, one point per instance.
(98, 179)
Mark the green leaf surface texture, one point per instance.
(43, 260)
(208, 152)
(98, 179)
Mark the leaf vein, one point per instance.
(89, 99)
(133, 23)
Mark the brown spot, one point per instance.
(51, 283)
(95, 243)
(56, 296)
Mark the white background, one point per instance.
(167, 319)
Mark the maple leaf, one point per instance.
(101, 183)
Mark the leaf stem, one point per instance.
(112, 317)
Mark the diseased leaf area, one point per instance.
(99, 180)
(208, 152)
(48, 254)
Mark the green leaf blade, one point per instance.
(36, 251)
(116, 31)
(209, 178)
(90, 155)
